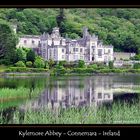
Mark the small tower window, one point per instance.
(25, 41)
(62, 50)
(33, 41)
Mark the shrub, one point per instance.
(117, 70)
(83, 70)
(127, 66)
(39, 62)
(37, 70)
(136, 66)
(51, 63)
(16, 69)
(24, 69)
(94, 66)
(136, 57)
(59, 71)
(20, 64)
(46, 65)
(81, 64)
(62, 63)
(101, 65)
(29, 64)
(111, 64)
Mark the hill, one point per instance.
(116, 26)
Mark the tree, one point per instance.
(81, 64)
(8, 41)
(61, 20)
(31, 56)
(39, 62)
(111, 65)
(51, 63)
(20, 55)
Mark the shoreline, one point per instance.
(68, 74)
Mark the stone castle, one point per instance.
(88, 48)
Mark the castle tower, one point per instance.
(55, 33)
(85, 32)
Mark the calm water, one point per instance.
(74, 91)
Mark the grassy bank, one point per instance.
(120, 113)
(91, 71)
(65, 71)
(13, 97)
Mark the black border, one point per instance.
(68, 3)
(126, 130)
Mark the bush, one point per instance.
(136, 57)
(37, 70)
(46, 65)
(101, 65)
(20, 64)
(127, 66)
(24, 69)
(51, 63)
(39, 62)
(111, 64)
(16, 69)
(136, 66)
(83, 70)
(62, 63)
(81, 64)
(59, 71)
(94, 66)
(29, 64)
(134, 70)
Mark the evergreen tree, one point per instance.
(8, 41)
(31, 56)
(61, 21)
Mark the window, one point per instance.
(81, 50)
(76, 49)
(99, 95)
(73, 49)
(63, 56)
(106, 58)
(25, 41)
(33, 41)
(108, 50)
(62, 50)
(81, 57)
(106, 96)
(100, 52)
(75, 57)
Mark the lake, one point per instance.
(70, 99)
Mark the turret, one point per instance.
(55, 33)
(85, 32)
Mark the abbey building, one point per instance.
(53, 46)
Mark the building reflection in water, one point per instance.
(74, 93)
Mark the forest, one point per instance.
(117, 26)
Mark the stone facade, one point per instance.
(29, 41)
(123, 55)
(88, 48)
